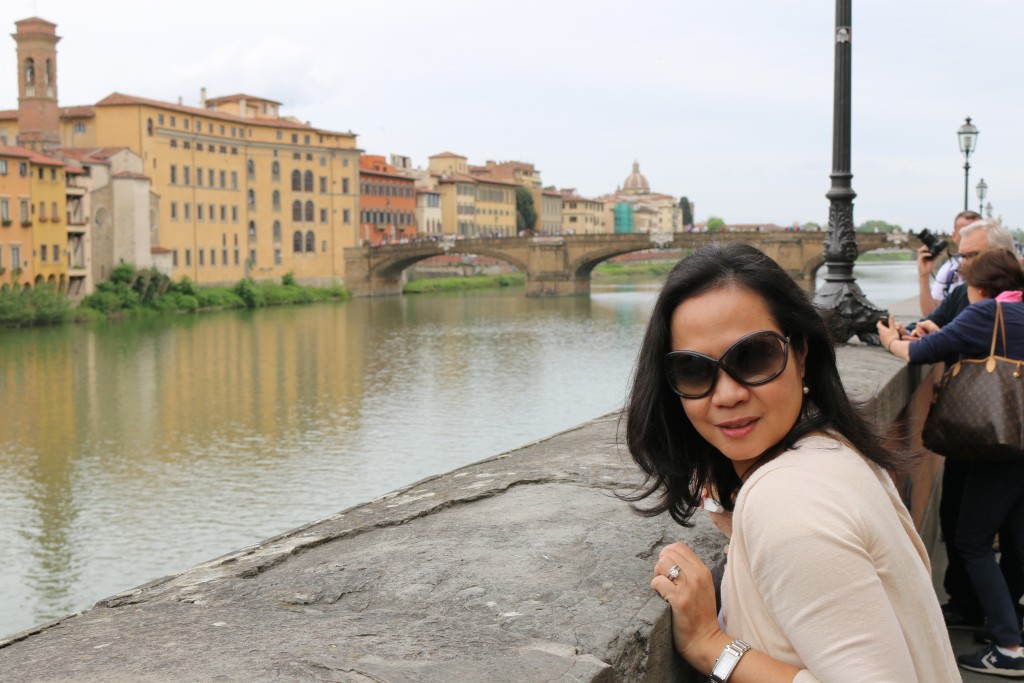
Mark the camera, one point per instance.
(934, 244)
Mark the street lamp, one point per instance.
(968, 136)
(982, 189)
(839, 297)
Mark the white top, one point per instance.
(827, 573)
(948, 273)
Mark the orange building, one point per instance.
(387, 203)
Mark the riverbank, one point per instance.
(130, 292)
(452, 284)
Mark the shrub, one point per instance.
(288, 279)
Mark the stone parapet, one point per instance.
(522, 567)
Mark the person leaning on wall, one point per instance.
(993, 492)
(932, 290)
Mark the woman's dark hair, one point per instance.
(677, 461)
(993, 271)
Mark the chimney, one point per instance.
(180, 101)
(202, 98)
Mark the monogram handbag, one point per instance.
(977, 410)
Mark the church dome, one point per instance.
(636, 182)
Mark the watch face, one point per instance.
(724, 666)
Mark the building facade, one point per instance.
(387, 212)
(582, 216)
(227, 189)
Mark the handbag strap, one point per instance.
(999, 326)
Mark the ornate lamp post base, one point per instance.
(848, 312)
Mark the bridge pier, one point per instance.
(546, 285)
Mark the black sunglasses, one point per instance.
(753, 359)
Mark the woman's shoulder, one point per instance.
(819, 465)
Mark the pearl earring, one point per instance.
(806, 390)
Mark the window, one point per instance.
(295, 138)
(174, 143)
(174, 123)
(344, 185)
(323, 160)
(280, 135)
(323, 184)
(23, 169)
(236, 255)
(224, 257)
(310, 213)
(296, 181)
(310, 242)
(54, 212)
(275, 201)
(160, 119)
(252, 199)
(80, 127)
(149, 126)
(250, 167)
(185, 172)
(5, 212)
(199, 147)
(213, 257)
(56, 253)
(234, 180)
(297, 211)
(199, 177)
(323, 215)
(275, 170)
(199, 212)
(42, 253)
(174, 258)
(223, 177)
(252, 231)
(297, 242)
(3, 166)
(188, 257)
(15, 256)
(307, 181)
(174, 211)
(277, 257)
(209, 174)
(234, 213)
(185, 123)
(188, 211)
(186, 144)
(346, 216)
(202, 257)
(305, 139)
(277, 232)
(252, 256)
(24, 210)
(223, 213)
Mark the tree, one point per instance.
(687, 208)
(811, 226)
(715, 224)
(526, 213)
(878, 226)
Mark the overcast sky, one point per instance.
(728, 102)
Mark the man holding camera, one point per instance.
(931, 294)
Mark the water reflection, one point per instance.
(134, 450)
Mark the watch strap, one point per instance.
(727, 661)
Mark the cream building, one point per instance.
(582, 216)
(633, 207)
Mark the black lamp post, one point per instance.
(968, 136)
(982, 189)
(847, 309)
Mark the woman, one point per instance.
(826, 578)
(993, 492)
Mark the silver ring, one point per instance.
(673, 573)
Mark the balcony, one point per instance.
(74, 191)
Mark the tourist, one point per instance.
(993, 493)
(931, 293)
(736, 391)
(963, 610)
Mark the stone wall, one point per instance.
(522, 567)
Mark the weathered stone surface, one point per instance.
(523, 567)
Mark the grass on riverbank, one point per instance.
(609, 269)
(453, 284)
(876, 256)
(131, 292)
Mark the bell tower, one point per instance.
(38, 116)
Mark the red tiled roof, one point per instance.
(386, 174)
(11, 151)
(33, 156)
(120, 99)
(159, 250)
(238, 97)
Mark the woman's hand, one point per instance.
(924, 327)
(691, 595)
(888, 333)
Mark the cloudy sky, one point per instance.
(728, 102)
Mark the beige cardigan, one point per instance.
(826, 572)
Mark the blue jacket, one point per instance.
(970, 335)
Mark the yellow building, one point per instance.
(16, 235)
(241, 196)
(227, 189)
(495, 209)
(49, 217)
(582, 216)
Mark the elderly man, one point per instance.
(963, 609)
(931, 293)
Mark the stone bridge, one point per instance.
(561, 265)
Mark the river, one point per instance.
(133, 450)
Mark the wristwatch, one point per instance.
(727, 661)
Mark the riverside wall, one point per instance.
(522, 567)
